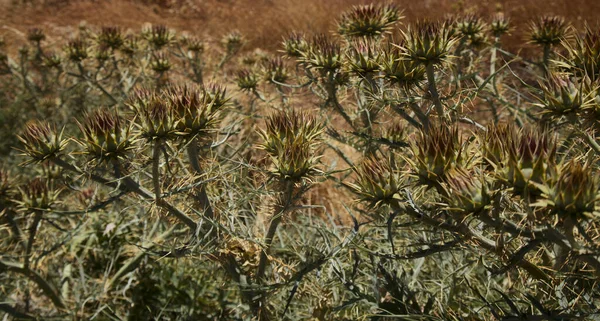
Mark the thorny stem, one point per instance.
(130, 186)
(201, 196)
(156, 169)
(433, 90)
(37, 279)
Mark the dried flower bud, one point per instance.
(500, 25)
(583, 55)
(323, 54)
(563, 96)
(531, 154)
(160, 63)
(195, 115)
(290, 139)
(41, 141)
(363, 56)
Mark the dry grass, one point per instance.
(264, 22)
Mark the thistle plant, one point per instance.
(363, 58)
(36, 195)
(499, 26)
(323, 54)
(368, 21)
(196, 116)
(274, 70)
(472, 29)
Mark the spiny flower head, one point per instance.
(583, 55)
(36, 195)
(295, 45)
(41, 141)
(324, 54)
(158, 36)
(377, 181)
(573, 189)
(291, 138)
(287, 126)
(368, 20)
(130, 45)
(398, 69)
(500, 25)
(7, 189)
(155, 117)
(467, 191)
(363, 56)
(274, 70)
(395, 134)
(232, 42)
(159, 63)
(77, 50)
(562, 95)
(110, 37)
(51, 60)
(531, 154)
(436, 152)
(106, 136)
(36, 35)
(215, 95)
(195, 115)
(471, 25)
(494, 142)
(247, 80)
(195, 45)
(428, 42)
(548, 31)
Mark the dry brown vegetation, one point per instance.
(263, 22)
